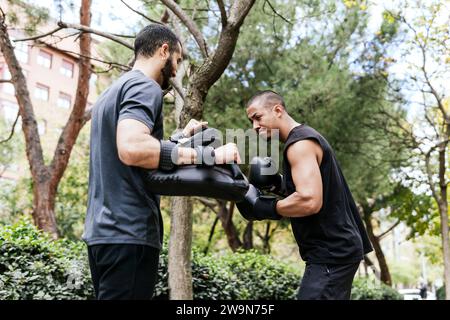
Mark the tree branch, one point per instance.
(141, 14)
(97, 32)
(109, 63)
(190, 25)
(238, 12)
(5, 80)
(275, 11)
(73, 126)
(12, 129)
(33, 145)
(381, 236)
(177, 89)
(208, 203)
(40, 35)
(223, 13)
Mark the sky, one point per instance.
(111, 15)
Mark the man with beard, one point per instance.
(324, 218)
(123, 227)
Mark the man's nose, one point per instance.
(256, 125)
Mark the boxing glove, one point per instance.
(257, 206)
(259, 175)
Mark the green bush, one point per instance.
(260, 277)
(440, 293)
(32, 266)
(243, 275)
(367, 289)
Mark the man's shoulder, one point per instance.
(307, 129)
(135, 78)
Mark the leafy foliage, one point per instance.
(71, 199)
(33, 15)
(244, 275)
(32, 266)
(367, 289)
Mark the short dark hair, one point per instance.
(152, 37)
(268, 98)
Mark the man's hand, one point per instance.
(228, 153)
(194, 126)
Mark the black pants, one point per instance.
(123, 271)
(327, 281)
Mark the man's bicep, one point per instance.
(130, 130)
(305, 170)
(143, 102)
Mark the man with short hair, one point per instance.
(123, 227)
(324, 217)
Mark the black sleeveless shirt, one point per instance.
(336, 233)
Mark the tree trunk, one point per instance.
(266, 238)
(385, 275)
(369, 263)
(211, 234)
(225, 215)
(43, 208)
(199, 82)
(248, 236)
(443, 212)
(180, 244)
(180, 275)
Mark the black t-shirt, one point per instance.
(336, 233)
(119, 210)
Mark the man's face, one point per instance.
(263, 119)
(170, 68)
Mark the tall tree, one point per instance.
(426, 64)
(206, 71)
(46, 177)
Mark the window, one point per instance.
(21, 51)
(66, 68)
(93, 79)
(10, 110)
(64, 100)
(41, 92)
(7, 87)
(44, 59)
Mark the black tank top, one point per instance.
(336, 233)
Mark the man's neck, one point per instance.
(148, 69)
(287, 128)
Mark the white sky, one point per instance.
(110, 15)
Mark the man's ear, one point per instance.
(164, 51)
(278, 109)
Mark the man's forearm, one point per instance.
(145, 152)
(297, 205)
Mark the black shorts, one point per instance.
(123, 271)
(327, 281)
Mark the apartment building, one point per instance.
(51, 69)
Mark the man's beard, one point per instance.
(166, 73)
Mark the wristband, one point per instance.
(165, 155)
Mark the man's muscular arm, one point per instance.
(136, 147)
(304, 157)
